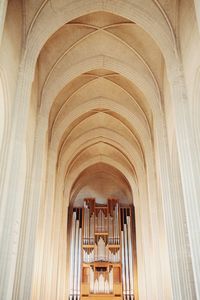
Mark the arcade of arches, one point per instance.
(99, 99)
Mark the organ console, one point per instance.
(101, 261)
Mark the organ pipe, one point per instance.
(79, 263)
(101, 250)
(101, 282)
(76, 256)
(127, 260)
(92, 280)
(130, 256)
(111, 280)
(72, 254)
(75, 261)
(123, 264)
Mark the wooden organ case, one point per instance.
(101, 264)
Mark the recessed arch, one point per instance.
(97, 159)
(109, 173)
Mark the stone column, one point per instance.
(143, 220)
(58, 240)
(30, 217)
(188, 165)
(12, 199)
(197, 11)
(165, 181)
(159, 254)
(181, 232)
(47, 228)
(3, 8)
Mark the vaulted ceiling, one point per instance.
(100, 82)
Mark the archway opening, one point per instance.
(102, 236)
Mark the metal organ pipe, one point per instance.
(127, 261)
(87, 233)
(92, 228)
(106, 287)
(101, 250)
(91, 280)
(109, 229)
(79, 264)
(118, 224)
(87, 225)
(76, 256)
(96, 286)
(130, 256)
(95, 252)
(114, 256)
(107, 251)
(111, 280)
(110, 242)
(75, 261)
(123, 265)
(88, 255)
(71, 290)
(84, 227)
(102, 284)
(115, 225)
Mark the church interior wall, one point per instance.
(11, 47)
(10, 55)
(190, 46)
(186, 274)
(89, 110)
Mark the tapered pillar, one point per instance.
(71, 281)
(33, 200)
(188, 167)
(197, 10)
(3, 8)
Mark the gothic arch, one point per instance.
(140, 119)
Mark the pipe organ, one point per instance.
(101, 262)
(76, 253)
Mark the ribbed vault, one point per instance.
(102, 102)
(100, 88)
